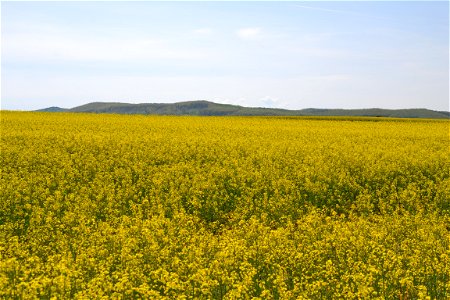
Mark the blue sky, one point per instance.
(273, 54)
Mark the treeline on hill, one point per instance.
(206, 108)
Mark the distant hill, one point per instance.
(206, 108)
(53, 109)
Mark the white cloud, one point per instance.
(249, 33)
(203, 31)
(270, 102)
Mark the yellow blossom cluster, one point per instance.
(160, 207)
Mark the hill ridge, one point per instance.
(208, 108)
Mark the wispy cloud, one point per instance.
(249, 33)
(203, 31)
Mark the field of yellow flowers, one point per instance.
(153, 207)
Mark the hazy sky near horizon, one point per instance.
(273, 54)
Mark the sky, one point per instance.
(263, 54)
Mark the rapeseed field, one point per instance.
(155, 207)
